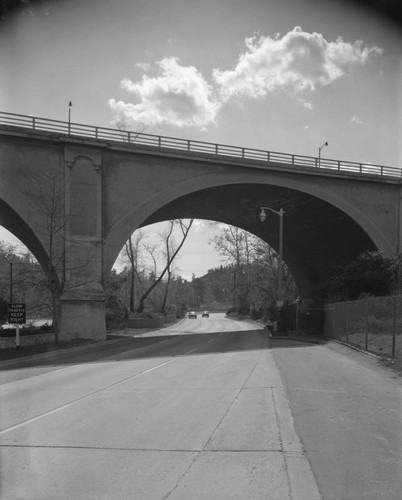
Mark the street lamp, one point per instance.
(263, 216)
(319, 153)
(70, 105)
(11, 282)
(234, 288)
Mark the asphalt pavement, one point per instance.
(194, 412)
(207, 409)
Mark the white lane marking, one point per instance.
(189, 352)
(34, 419)
(209, 341)
(308, 389)
(151, 369)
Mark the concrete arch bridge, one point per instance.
(88, 188)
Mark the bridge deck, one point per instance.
(205, 148)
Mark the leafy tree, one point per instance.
(370, 274)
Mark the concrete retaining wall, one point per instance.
(40, 338)
(151, 322)
(171, 318)
(146, 323)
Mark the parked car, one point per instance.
(192, 314)
(205, 314)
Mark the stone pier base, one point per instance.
(82, 319)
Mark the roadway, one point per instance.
(206, 409)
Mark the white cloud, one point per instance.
(179, 96)
(306, 104)
(298, 61)
(199, 225)
(144, 66)
(356, 119)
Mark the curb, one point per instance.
(54, 352)
(357, 349)
(113, 337)
(306, 340)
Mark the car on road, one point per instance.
(205, 314)
(192, 314)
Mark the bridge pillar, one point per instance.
(82, 303)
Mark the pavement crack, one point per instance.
(151, 450)
(236, 397)
(181, 477)
(213, 432)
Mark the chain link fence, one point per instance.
(373, 324)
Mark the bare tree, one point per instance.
(236, 246)
(124, 125)
(171, 256)
(153, 254)
(230, 244)
(255, 267)
(49, 193)
(169, 250)
(132, 253)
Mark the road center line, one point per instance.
(192, 350)
(308, 389)
(151, 369)
(34, 419)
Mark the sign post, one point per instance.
(17, 317)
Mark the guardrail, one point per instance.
(174, 143)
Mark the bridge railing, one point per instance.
(175, 143)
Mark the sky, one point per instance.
(279, 75)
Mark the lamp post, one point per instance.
(11, 282)
(319, 153)
(70, 105)
(263, 216)
(234, 288)
(297, 301)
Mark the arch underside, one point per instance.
(11, 221)
(317, 235)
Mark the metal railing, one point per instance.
(177, 144)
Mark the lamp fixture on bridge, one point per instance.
(70, 105)
(263, 216)
(319, 153)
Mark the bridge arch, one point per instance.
(235, 200)
(12, 219)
